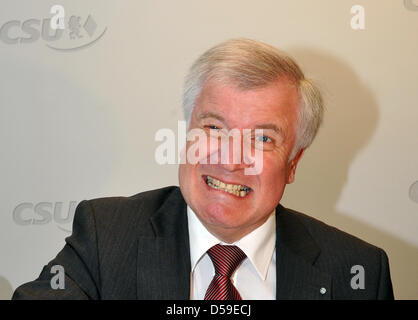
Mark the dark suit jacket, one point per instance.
(138, 248)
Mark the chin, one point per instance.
(223, 216)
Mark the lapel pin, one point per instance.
(322, 290)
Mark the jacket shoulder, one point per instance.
(117, 218)
(329, 237)
(342, 255)
(140, 205)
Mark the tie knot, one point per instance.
(226, 259)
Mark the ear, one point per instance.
(292, 166)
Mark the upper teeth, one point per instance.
(236, 189)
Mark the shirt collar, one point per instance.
(258, 245)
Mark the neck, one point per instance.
(231, 235)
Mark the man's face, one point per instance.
(274, 108)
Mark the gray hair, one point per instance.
(251, 64)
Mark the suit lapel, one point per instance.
(163, 265)
(296, 252)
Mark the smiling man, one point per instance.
(224, 214)
(223, 234)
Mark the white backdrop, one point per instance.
(79, 111)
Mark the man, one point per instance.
(223, 234)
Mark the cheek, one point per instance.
(189, 184)
(273, 177)
(186, 180)
(272, 185)
(183, 178)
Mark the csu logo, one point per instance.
(59, 32)
(41, 213)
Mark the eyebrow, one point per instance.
(209, 114)
(266, 126)
(271, 126)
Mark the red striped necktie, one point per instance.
(225, 259)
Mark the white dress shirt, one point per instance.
(255, 278)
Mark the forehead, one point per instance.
(278, 103)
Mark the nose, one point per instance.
(231, 153)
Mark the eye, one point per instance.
(213, 127)
(263, 139)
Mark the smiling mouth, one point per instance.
(235, 189)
